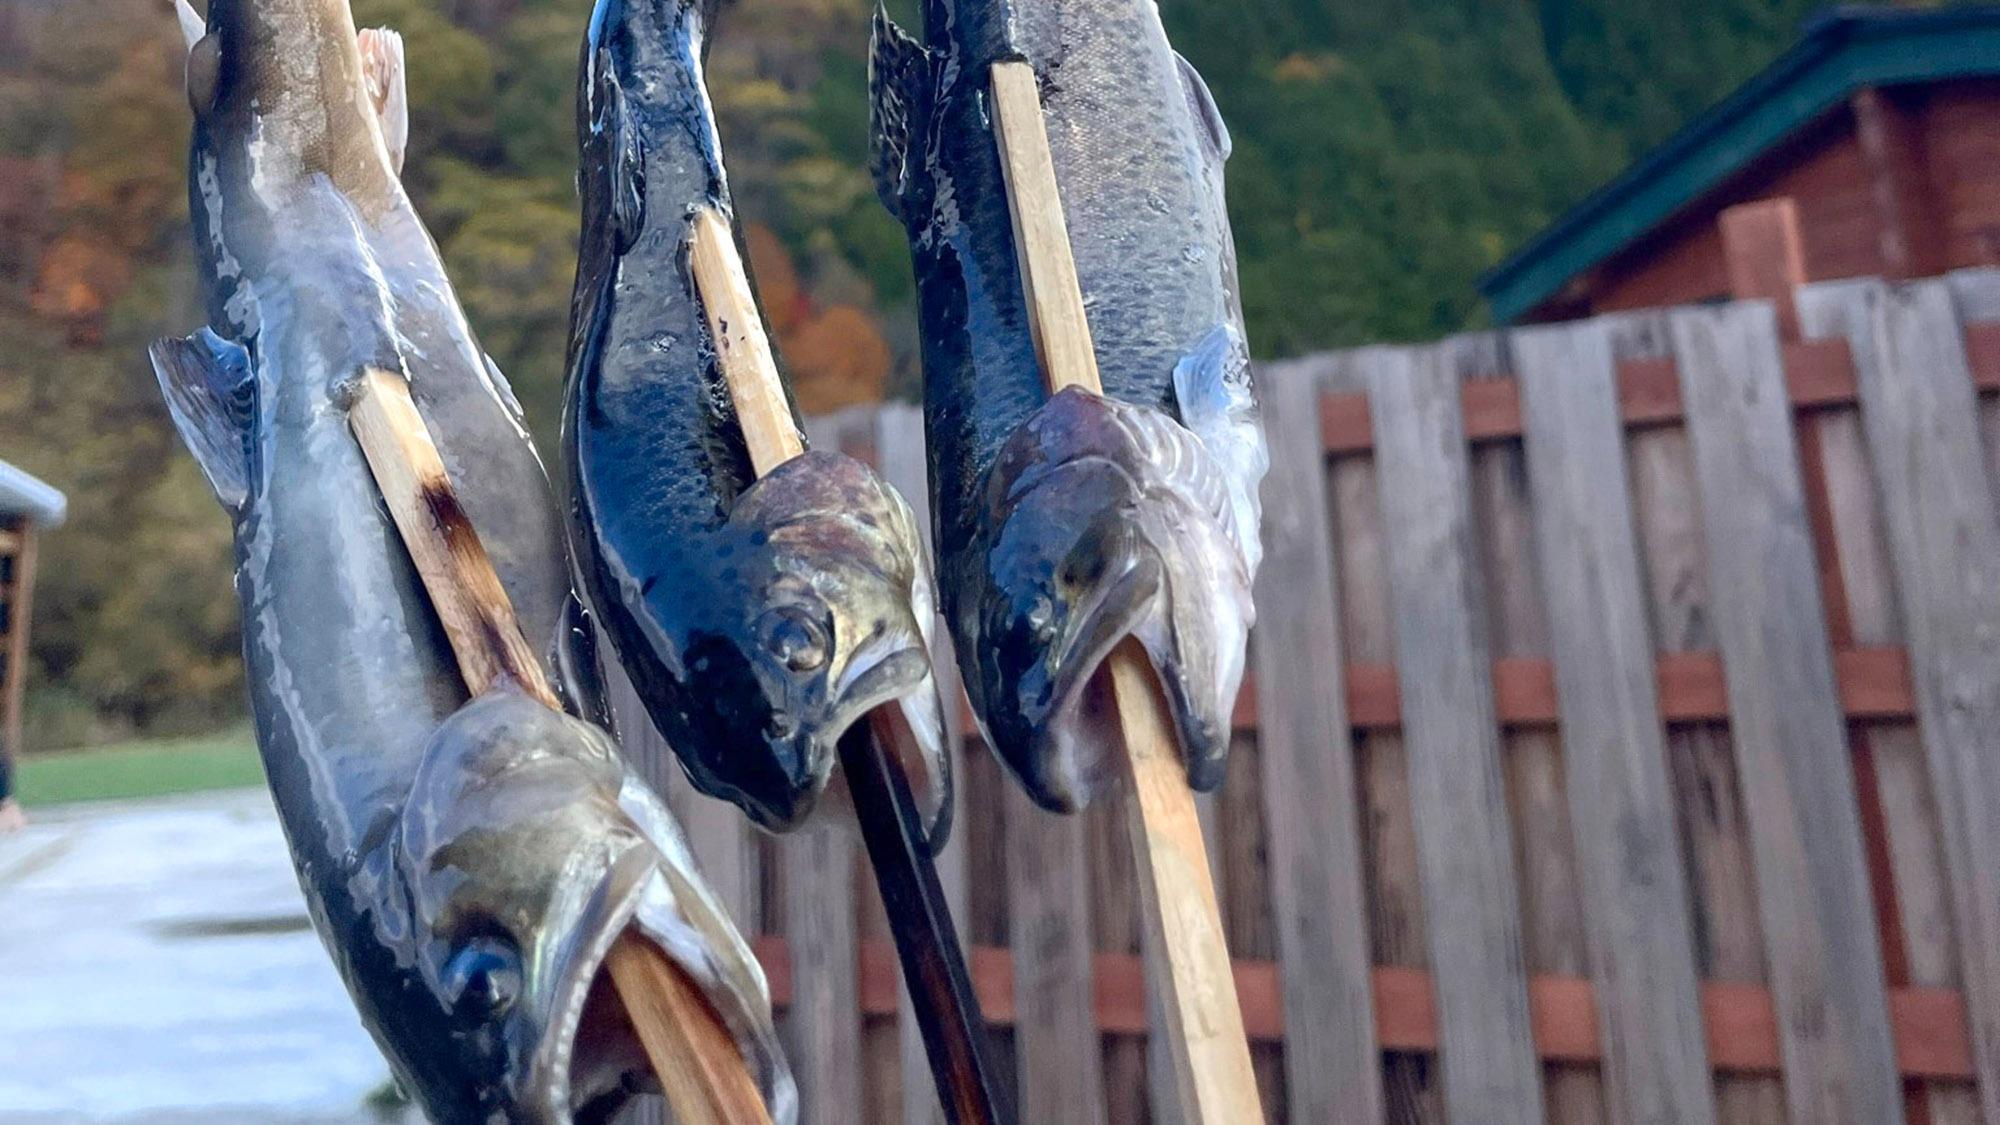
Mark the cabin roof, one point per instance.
(25, 495)
(1840, 51)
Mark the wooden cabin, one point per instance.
(1881, 124)
(27, 507)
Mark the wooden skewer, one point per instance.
(1187, 957)
(693, 1054)
(926, 943)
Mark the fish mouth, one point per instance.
(588, 1052)
(1060, 767)
(1102, 521)
(898, 678)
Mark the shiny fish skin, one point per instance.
(465, 862)
(758, 618)
(1140, 514)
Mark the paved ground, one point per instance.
(156, 965)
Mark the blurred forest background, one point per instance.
(1386, 154)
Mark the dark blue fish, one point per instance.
(467, 862)
(1067, 523)
(758, 618)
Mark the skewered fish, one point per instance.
(467, 863)
(1066, 523)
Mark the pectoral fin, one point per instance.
(382, 70)
(212, 397)
(899, 80)
(1206, 116)
(616, 146)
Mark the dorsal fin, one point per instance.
(212, 397)
(388, 90)
(899, 83)
(1206, 116)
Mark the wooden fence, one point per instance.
(1623, 745)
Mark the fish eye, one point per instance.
(484, 977)
(790, 634)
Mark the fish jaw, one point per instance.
(523, 868)
(826, 609)
(1101, 520)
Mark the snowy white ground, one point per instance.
(156, 964)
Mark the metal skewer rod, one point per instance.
(933, 962)
(692, 1053)
(1187, 959)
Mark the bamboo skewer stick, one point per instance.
(692, 1053)
(1186, 955)
(926, 943)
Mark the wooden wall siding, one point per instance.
(1541, 806)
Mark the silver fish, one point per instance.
(1066, 523)
(467, 862)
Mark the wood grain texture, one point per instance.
(742, 350)
(822, 1026)
(458, 576)
(1465, 847)
(672, 1020)
(1741, 1019)
(1049, 933)
(1041, 233)
(1791, 743)
(1411, 1085)
(1620, 797)
(1919, 415)
(1310, 803)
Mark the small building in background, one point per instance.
(27, 507)
(1881, 124)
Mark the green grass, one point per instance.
(147, 768)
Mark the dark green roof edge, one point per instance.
(1841, 51)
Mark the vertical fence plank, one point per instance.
(1396, 931)
(1791, 741)
(1055, 1033)
(1707, 794)
(1552, 933)
(1655, 1056)
(823, 1025)
(899, 445)
(1919, 415)
(1977, 293)
(1465, 851)
(1332, 1064)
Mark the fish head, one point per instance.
(521, 871)
(1099, 521)
(828, 618)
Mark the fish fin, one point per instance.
(899, 78)
(1205, 112)
(625, 160)
(213, 400)
(1213, 392)
(383, 72)
(193, 27)
(204, 73)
